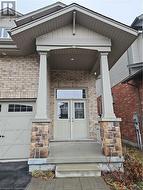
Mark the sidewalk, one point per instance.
(86, 183)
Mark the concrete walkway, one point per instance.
(88, 183)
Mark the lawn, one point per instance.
(132, 178)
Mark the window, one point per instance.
(62, 110)
(0, 108)
(19, 108)
(79, 110)
(4, 33)
(71, 94)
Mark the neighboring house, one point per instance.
(127, 89)
(47, 86)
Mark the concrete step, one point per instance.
(76, 160)
(77, 170)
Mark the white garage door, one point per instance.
(15, 130)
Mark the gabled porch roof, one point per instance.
(122, 36)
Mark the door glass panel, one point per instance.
(79, 110)
(71, 94)
(62, 110)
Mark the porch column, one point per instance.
(42, 110)
(107, 102)
(109, 124)
(41, 124)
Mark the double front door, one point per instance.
(70, 120)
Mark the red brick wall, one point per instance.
(127, 100)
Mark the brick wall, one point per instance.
(18, 77)
(127, 101)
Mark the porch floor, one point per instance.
(75, 152)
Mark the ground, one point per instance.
(85, 183)
(14, 175)
(132, 178)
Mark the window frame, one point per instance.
(84, 94)
(18, 108)
(68, 111)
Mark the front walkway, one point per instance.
(88, 183)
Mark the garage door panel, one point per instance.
(14, 152)
(15, 129)
(10, 122)
(16, 137)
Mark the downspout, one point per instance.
(141, 115)
(138, 133)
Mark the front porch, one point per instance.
(67, 110)
(76, 154)
(67, 105)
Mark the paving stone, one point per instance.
(85, 183)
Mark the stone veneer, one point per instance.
(19, 76)
(39, 140)
(111, 138)
(76, 79)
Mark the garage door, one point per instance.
(15, 130)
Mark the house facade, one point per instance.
(127, 89)
(49, 64)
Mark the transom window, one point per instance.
(4, 33)
(19, 108)
(71, 94)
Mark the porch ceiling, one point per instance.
(121, 35)
(72, 59)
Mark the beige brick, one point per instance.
(18, 77)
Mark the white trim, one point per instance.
(74, 23)
(110, 119)
(69, 8)
(35, 161)
(4, 46)
(18, 100)
(13, 160)
(98, 48)
(40, 10)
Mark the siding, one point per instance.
(7, 22)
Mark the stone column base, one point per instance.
(111, 138)
(39, 140)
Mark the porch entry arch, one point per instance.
(70, 120)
